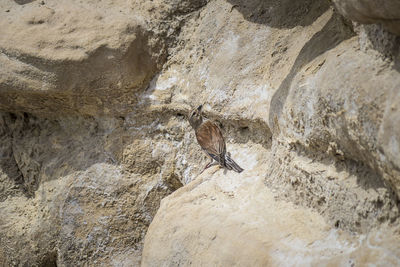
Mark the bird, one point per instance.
(211, 140)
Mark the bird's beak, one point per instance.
(200, 107)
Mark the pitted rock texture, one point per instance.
(94, 135)
(70, 189)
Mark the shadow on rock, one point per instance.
(334, 32)
(281, 14)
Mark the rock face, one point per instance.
(94, 135)
(56, 52)
(235, 220)
(83, 168)
(370, 11)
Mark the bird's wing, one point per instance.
(210, 138)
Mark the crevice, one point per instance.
(14, 182)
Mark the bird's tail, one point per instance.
(231, 164)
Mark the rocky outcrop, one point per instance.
(57, 52)
(232, 219)
(82, 167)
(93, 134)
(386, 13)
(72, 192)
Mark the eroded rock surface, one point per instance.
(236, 220)
(71, 188)
(93, 134)
(370, 11)
(325, 93)
(55, 52)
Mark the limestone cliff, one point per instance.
(94, 135)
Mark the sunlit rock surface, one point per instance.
(94, 136)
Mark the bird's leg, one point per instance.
(206, 167)
(211, 163)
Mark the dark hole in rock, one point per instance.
(50, 260)
(26, 117)
(13, 117)
(244, 129)
(23, 2)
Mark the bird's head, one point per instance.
(195, 117)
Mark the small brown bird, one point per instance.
(210, 138)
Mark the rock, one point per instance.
(324, 99)
(73, 174)
(227, 219)
(58, 52)
(368, 11)
(78, 208)
(94, 134)
(349, 121)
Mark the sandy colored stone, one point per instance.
(93, 134)
(348, 117)
(312, 161)
(83, 57)
(367, 11)
(300, 97)
(226, 219)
